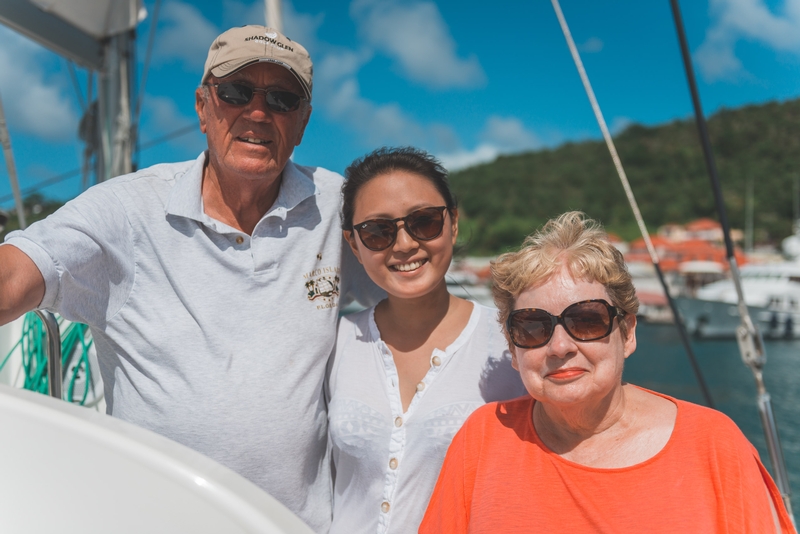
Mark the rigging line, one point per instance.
(148, 56)
(74, 76)
(751, 345)
(177, 133)
(43, 184)
(69, 174)
(632, 201)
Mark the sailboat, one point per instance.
(771, 292)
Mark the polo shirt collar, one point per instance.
(186, 197)
(295, 188)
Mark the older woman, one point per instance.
(587, 452)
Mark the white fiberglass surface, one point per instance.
(68, 469)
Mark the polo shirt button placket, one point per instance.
(385, 506)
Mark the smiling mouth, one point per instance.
(565, 374)
(408, 267)
(253, 140)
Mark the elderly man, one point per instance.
(212, 287)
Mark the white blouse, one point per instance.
(386, 462)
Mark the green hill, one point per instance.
(503, 201)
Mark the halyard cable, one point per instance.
(632, 201)
(751, 345)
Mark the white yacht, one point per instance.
(771, 292)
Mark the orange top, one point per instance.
(498, 476)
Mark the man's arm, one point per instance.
(21, 284)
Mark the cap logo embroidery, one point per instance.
(271, 35)
(270, 41)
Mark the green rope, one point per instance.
(32, 345)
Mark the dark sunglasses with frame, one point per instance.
(241, 94)
(423, 224)
(587, 320)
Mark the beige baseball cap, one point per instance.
(240, 47)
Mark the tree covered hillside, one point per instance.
(503, 201)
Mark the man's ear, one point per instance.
(200, 105)
(350, 237)
(303, 128)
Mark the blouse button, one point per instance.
(420, 386)
(437, 361)
(385, 507)
(398, 421)
(393, 463)
(239, 240)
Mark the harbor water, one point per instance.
(660, 363)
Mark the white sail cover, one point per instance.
(98, 18)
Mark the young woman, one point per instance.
(406, 373)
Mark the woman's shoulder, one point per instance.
(360, 320)
(698, 425)
(355, 333)
(507, 414)
(486, 322)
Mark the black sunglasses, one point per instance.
(241, 93)
(588, 320)
(423, 224)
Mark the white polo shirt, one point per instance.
(386, 460)
(206, 335)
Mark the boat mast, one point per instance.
(751, 345)
(100, 37)
(273, 14)
(115, 154)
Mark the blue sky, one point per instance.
(466, 80)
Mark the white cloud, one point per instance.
(184, 35)
(418, 38)
(35, 102)
(509, 134)
(461, 159)
(339, 95)
(592, 45)
(746, 19)
(500, 135)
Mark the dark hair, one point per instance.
(385, 160)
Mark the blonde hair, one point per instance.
(573, 241)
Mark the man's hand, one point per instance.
(21, 284)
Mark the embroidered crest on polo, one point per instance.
(322, 286)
